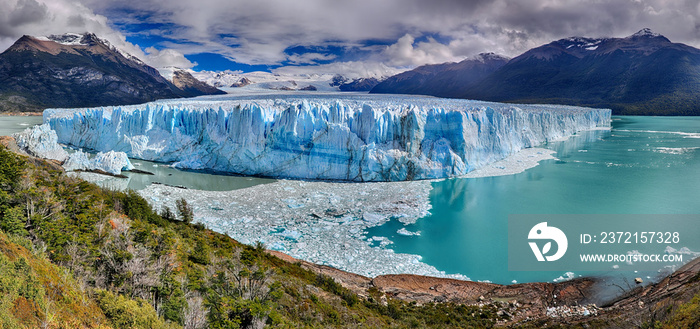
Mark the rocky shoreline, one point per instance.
(21, 114)
(538, 303)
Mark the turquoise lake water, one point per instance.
(644, 165)
(14, 124)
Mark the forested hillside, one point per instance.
(75, 255)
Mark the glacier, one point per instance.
(42, 142)
(329, 137)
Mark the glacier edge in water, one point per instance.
(333, 137)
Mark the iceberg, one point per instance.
(42, 142)
(328, 137)
(77, 161)
(111, 162)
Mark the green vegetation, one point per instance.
(118, 263)
(687, 315)
(73, 255)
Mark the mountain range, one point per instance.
(643, 74)
(443, 80)
(81, 70)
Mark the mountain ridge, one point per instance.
(80, 70)
(442, 79)
(641, 74)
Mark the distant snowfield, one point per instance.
(265, 82)
(232, 81)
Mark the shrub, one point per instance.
(129, 313)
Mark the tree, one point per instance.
(167, 214)
(13, 221)
(241, 294)
(184, 211)
(11, 167)
(195, 313)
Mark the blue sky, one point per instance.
(367, 37)
(142, 29)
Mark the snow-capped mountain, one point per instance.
(78, 70)
(259, 81)
(85, 39)
(264, 80)
(189, 86)
(644, 73)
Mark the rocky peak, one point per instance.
(645, 32)
(241, 83)
(189, 86)
(76, 39)
(87, 39)
(91, 39)
(490, 56)
(646, 35)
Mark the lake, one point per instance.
(644, 165)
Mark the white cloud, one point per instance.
(407, 53)
(45, 17)
(167, 57)
(259, 32)
(309, 58)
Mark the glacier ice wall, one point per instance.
(353, 138)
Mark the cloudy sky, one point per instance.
(340, 36)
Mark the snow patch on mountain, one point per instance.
(83, 39)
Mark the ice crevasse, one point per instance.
(352, 138)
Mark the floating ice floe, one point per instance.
(330, 229)
(566, 277)
(404, 231)
(675, 150)
(111, 162)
